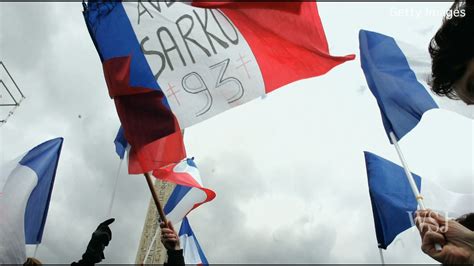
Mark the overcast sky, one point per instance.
(288, 170)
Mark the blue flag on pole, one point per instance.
(393, 203)
(192, 251)
(391, 196)
(401, 97)
(120, 143)
(26, 189)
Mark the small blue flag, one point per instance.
(120, 143)
(393, 203)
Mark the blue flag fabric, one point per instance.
(120, 143)
(393, 203)
(43, 160)
(402, 99)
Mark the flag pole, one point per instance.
(381, 256)
(36, 250)
(155, 197)
(411, 180)
(111, 204)
(153, 240)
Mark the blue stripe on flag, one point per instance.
(176, 196)
(187, 230)
(401, 97)
(391, 196)
(43, 160)
(113, 36)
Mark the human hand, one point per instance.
(457, 240)
(169, 238)
(99, 240)
(103, 232)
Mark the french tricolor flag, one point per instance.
(189, 192)
(398, 73)
(192, 251)
(26, 185)
(169, 65)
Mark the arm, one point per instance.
(95, 249)
(170, 240)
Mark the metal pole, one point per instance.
(6, 88)
(4, 67)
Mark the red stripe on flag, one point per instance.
(157, 154)
(168, 174)
(145, 118)
(287, 39)
(185, 179)
(117, 77)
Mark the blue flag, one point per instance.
(402, 99)
(391, 196)
(120, 143)
(192, 251)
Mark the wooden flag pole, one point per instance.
(155, 198)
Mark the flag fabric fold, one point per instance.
(24, 199)
(120, 143)
(154, 155)
(301, 49)
(189, 192)
(401, 97)
(192, 251)
(393, 203)
(169, 65)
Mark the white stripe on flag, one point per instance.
(443, 200)
(190, 250)
(13, 200)
(184, 167)
(185, 205)
(203, 63)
